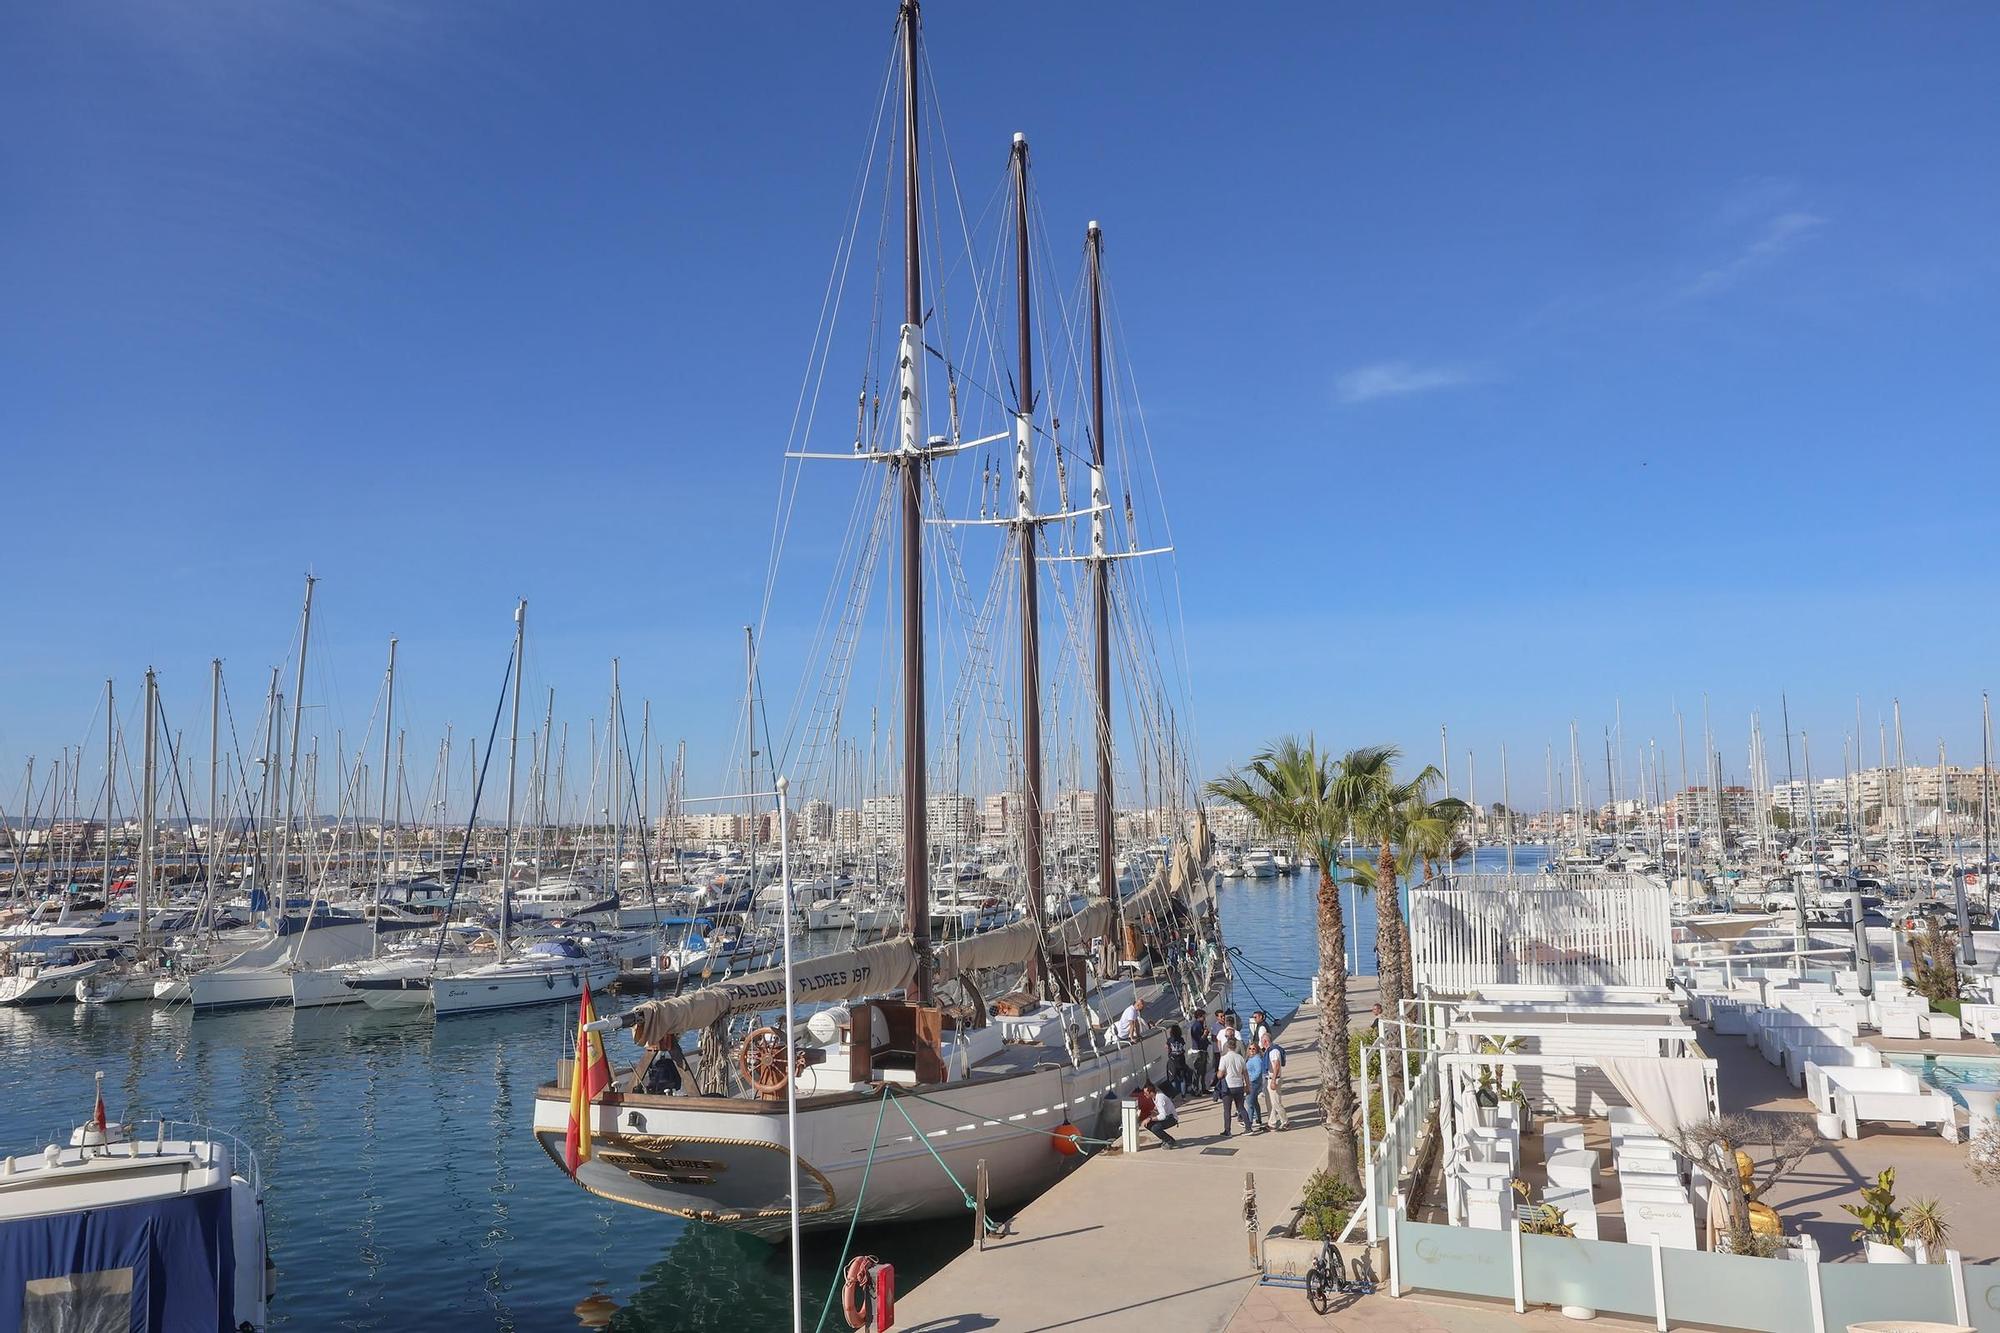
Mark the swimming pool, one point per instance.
(1948, 1071)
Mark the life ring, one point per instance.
(856, 1301)
(762, 1059)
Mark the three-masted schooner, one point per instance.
(906, 1073)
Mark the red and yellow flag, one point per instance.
(590, 1076)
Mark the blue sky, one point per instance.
(1504, 364)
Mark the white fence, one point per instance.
(1579, 933)
(1675, 1287)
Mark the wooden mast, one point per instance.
(1100, 580)
(910, 479)
(1025, 523)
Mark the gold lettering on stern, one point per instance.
(646, 1158)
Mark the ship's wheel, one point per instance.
(762, 1059)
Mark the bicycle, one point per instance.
(1328, 1277)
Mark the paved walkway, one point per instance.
(1145, 1243)
(1284, 1309)
(1810, 1198)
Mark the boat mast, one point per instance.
(1986, 801)
(1025, 524)
(146, 804)
(542, 786)
(513, 739)
(382, 807)
(292, 754)
(1100, 579)
(750, 750)
(910, 478)
(215, 836)
(614, 728)
(110, 780)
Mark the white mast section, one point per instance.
(513, 742)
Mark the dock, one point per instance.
(1143, 1242)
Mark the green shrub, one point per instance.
(1328, 1203)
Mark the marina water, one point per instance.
(404, 1187)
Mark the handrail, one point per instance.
(243, 1159)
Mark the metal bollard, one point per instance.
(1128, 1121)
(979, 1204)
(1250, 1217)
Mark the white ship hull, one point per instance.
(48, 985)
(263, 974)
(116, 988)
(240, 988)
(506, 986)
(316, 988)
(724, 1161)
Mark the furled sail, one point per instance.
(871, 969)
(875, 969)
(1016, 943)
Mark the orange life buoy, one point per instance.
(1067, 1139)
(854, 1295)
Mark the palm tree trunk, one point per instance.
(1388, 931)
(1409, 971)
(1336, 1096)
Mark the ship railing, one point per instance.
(149, 1136)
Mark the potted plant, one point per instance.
(1925, 1225)
(1881, 1221)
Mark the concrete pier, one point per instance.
(1145, 1242)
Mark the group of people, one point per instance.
(1241, 1068)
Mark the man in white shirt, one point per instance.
(1156, 1112)
(1225, 1033)
(1126, 1029)
(1234, 1073)
(1274, 1099)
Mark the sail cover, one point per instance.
(874, 969)
(849, 975)
(1016, 943)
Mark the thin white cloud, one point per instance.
(1778, 234)
(1399, 379)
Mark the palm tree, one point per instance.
(1289, 790)
(1386, 813)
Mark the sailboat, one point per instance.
(547, 971)
(905, 1074)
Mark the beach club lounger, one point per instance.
(1886, 1096)
(1798, 1057)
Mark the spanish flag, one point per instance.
(590, 1076)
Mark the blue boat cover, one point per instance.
(169, 1266)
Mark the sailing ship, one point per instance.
(906, 1074)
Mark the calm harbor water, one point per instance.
(404, 1188)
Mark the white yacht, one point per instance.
(162, 1199)
(1259, 864)
(401, 978)
(570, 895)
(954, 914)
(49, 977)
(262, 974)
(720, 953)
(863, 913)
(545, 972)
(124, 981)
